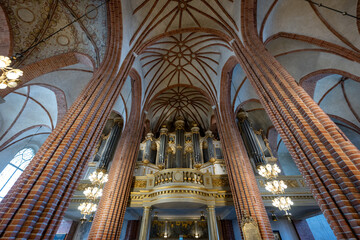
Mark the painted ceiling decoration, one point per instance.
(187, 102)
(32, 21)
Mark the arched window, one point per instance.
(13, 170)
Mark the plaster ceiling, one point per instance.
(180, 101)
(32, 21)
(151, 17)
(189, 58)
(318, 47)
(27, 112)
(180, 51)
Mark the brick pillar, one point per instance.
(36, 204)
(328, 161)
(132, 230)
(227, 230)
(109, 217)
(244, 189)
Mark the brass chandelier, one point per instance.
(276, 187)
(98, 178)
(9, 76)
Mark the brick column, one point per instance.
(37, 202)
(109, 217)
(328, 161)
(247, 199)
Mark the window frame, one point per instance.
(16, 168)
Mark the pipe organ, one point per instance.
(179, 148)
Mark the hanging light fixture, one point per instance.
(93, 192)
(283, 203)
(87, 208)
(9, 76)
(276, 186)
(269, 171)
(99, 177)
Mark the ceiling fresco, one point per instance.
(32, 21)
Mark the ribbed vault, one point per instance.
(187, 58)
(187, 102)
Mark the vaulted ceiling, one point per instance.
(183, 44)
(179, 45)
(180, 101)
(32, 21)
(183, 59)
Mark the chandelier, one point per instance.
(98, 178)
(283, 203)
(276, 186)
(9, 76)
(269, 171)
(93, 192)
(87, 208)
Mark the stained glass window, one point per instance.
(13, 170)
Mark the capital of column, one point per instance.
(119, 121)
(242, 116)
(179, 123)
(209, 134)
(163, 130)
(195, 128)
(210, 207)
(149, 136)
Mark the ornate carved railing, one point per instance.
(193, 185)
(184, 175)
